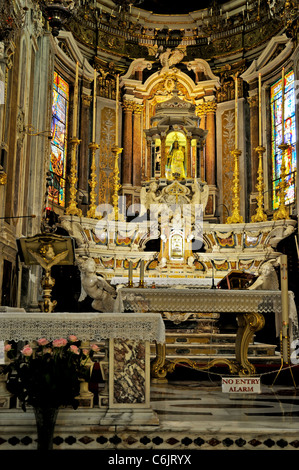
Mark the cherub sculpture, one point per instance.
(267, 279)
(96, 287)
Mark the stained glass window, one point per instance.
(59, 140)
(289, 137)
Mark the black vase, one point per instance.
(45, 424)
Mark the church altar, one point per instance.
(129, 338)
(248, 305)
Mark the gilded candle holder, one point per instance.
(260, 215)
(282, 212)
(93, 183)
(236, 217)
(72, 208)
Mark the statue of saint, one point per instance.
(175, 161)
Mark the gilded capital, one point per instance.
(253, 101)
(211, 107)
(128, 105)
(138, 108)
(3, 177)
(201, 109)
(86, 100)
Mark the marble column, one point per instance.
(127, 160)
(137, 139)
(211, 143)
(83, 164)
(254, 141)
(201, 112)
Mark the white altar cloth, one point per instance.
(208, 301)
(19, 326)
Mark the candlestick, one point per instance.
(93, 183)
(282, 211)
(282, 105)
(284, 306)
(236, 218)
(260, 110)
(260, 215)
(116, 110)
(75, 108)
(141, 282)
(72, 207)
(94, 106)
(130, 274)
(236, 113)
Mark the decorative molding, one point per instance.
(268, 61)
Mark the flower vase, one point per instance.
(45, 425)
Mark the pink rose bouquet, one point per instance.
(48, 374)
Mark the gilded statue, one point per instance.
(175, 161)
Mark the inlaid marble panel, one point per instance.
(129, 371)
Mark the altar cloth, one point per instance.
(19, 326)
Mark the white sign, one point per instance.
(2, 355)
(241, 384)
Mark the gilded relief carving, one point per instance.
(106, 161)
(228, 138)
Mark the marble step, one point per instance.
(256, 349)
(198, 337)
(203, 359)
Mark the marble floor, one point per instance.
(193, 416)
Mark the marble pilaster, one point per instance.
(211, 143)
(127, 159)
(254, 141)
(83, 166)
(137, 139)
(129, 384)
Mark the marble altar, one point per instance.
(129, 338)
(248, 305)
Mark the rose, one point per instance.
(59, 343)
(7, 347)
(94, 347)
(27, 351)
(86, 352)
(42, 342)
(73, 338)
(47, 351)
(74, 349)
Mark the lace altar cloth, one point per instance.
(86, 326)
(207, 301)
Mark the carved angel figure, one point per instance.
(96, 287)
(46, 257)
(267, 279)
(170, 57)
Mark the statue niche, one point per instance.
(174, 140)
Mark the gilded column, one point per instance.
(127, 161)
(137, 139)
(211, 143)
(254, 143)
